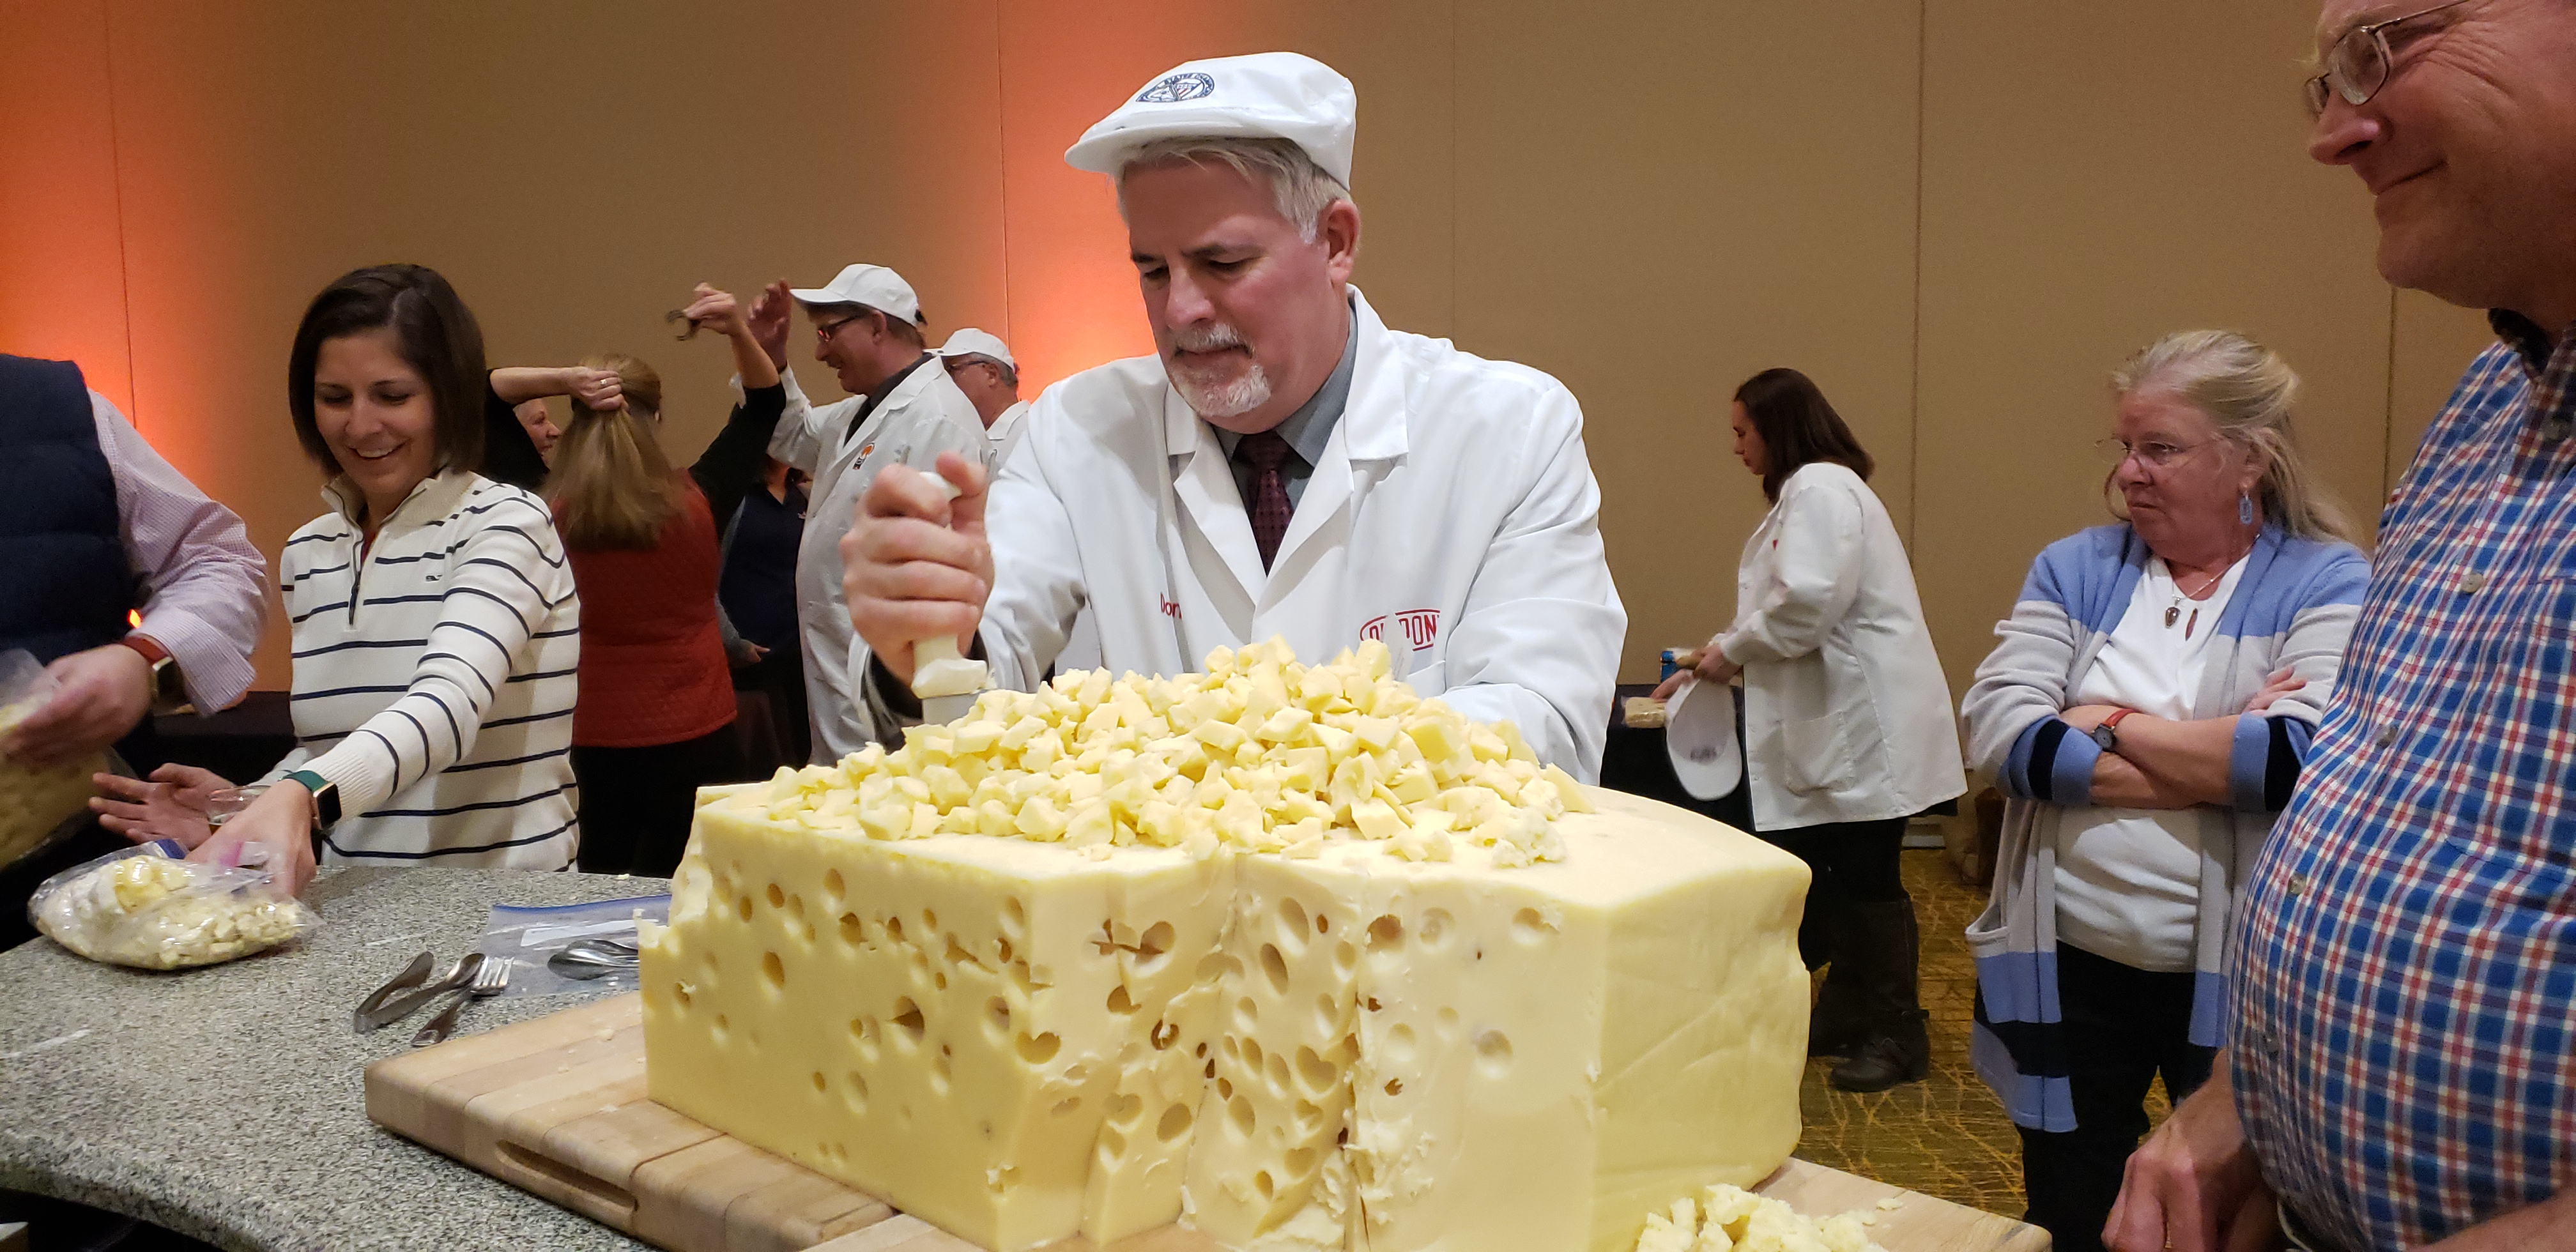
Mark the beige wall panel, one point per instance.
(2434, 342)
(1073, 291)
(62, 272)
(2096, 175)
(572, 167)
(1657, 200)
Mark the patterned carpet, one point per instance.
(1945, 1136)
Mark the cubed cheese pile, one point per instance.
(1259, 753)
(150, 912)
(1278, 1028)
(1729, 1218)
(33, 802)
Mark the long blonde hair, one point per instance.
(2249, 393)
(611, 487)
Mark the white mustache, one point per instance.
(1214, 336)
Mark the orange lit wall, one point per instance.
(1955, 214)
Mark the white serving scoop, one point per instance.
(945, 682)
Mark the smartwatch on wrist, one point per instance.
(326, 797)
(2106, 734)
(168, 692)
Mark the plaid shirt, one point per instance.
(2407, 956)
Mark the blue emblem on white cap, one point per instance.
(1177, 88)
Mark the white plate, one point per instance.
(1699, 733)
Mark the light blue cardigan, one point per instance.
(2293, 608)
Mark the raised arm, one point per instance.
(731, 465)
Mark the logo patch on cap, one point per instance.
(1177, 88)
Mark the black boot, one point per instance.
(1884, 941)
(1839, 1023)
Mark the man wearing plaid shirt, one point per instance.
(2400, 1071)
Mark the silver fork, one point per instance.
(488, 981)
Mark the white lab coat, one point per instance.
(1846, 713)
(810, 439)
(1454, 516)
(1004, 433)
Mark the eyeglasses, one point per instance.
(2357, 66)
(823, 331)
(2154, 453)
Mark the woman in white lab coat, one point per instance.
(1847, 723)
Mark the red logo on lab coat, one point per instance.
(1170, 609)
(1419, 627)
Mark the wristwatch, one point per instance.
(326, 797)
(2105, 735)
(169, 691)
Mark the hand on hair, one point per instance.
(715, 310)
(768, 321)
(600, 391)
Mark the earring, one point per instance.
(2245, 508)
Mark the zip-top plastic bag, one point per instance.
(35, 804)
(144, 907)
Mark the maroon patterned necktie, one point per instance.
(1270, 508)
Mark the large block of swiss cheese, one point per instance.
(1021, 1042)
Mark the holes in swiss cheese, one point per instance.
(1154, 945)
(1314, 1072)
(1120, 1002)
(997, 1017)
(907, 1018)
(1493, 1053)
(1274, 967)
(775, 971)
(1292, 922)
(834, 887)
(1530, 927)
(1435, 929)
(1385, 935)
(777, 898)
(1039, 1049)
(1175, 1123)
(853, 932)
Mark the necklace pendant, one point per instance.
(2171, 612)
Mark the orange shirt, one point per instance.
(653, 666)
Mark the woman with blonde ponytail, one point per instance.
(655, 717)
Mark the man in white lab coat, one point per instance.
(981, 366)
(1285, 465)
(867, 328)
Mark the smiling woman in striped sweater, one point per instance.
(436, 631)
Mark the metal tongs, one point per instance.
(586, 959)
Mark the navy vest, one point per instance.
(65, 583)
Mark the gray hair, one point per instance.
(1300, 187)
(1010, 376)
(2249, 393)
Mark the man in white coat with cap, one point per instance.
(981, 366)
(867, 328)
(1284, 465)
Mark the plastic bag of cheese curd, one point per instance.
(145, 908)
(36, 805)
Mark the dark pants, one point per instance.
(781, 677)
(636, 803)
(1853, 863)
(2122, 1027)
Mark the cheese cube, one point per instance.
(1335, 1048)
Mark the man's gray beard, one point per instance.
(1248, 391)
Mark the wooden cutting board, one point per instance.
(556, 1106)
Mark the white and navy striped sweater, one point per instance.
(434, 676)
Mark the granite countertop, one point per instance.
(227, 1103)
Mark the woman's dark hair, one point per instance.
(1797, 428)
(434, 333)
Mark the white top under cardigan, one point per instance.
(2128, 880)
(1846, 714)
(434, 676)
